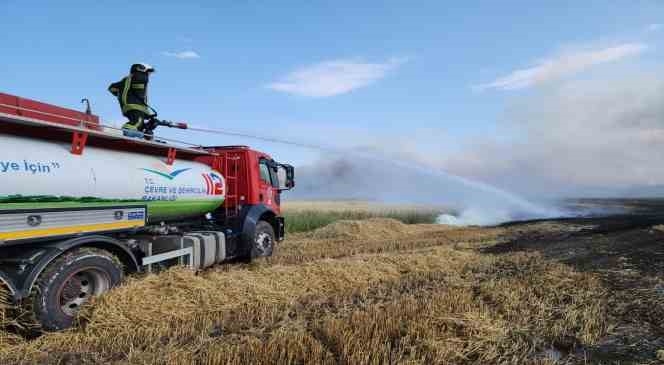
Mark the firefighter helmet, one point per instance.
(141, 67)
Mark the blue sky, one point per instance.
(434, 74)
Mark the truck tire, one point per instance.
(69, 281)
(263, 242)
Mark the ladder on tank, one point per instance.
(231, 169)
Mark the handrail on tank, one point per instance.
(84, 128)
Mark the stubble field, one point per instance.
(372, 291)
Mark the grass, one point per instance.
(308, 216)
(370, 292)
(309, 220)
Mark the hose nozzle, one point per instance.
(169, 124)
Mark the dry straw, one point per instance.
(408, 295)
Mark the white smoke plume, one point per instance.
(598, 138)
(602, 138)
(355, 176)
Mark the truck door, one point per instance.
(268, 185)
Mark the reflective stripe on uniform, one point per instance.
(125, 91)
(139, 107)
(137, 126)
(138, 86)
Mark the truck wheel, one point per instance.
(263, 243)
(70, 281)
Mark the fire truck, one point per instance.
(82, 206)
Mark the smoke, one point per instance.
(583, 138)
(357, 175)
(578, 139)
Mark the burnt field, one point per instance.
(626, 253)
(378, 291)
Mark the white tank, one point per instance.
(43, 174)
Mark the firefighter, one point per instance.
(132, 93)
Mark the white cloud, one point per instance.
(562, 65)
(654, 27)
(334, 77)
(182, 55)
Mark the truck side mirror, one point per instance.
(286, 175)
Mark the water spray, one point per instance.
(468, 216)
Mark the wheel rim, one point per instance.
(263, 243)
(80, 287)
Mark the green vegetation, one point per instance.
(308, 220)
(304, 216)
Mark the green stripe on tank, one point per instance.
(157, 209)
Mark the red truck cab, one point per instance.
(254, 183)
(252, 177)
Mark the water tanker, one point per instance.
(40, 173)
(81, 208)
